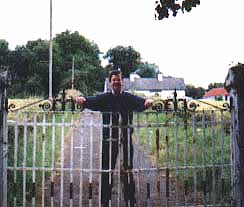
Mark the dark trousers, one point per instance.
(127, 164)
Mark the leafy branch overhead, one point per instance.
(164, 8)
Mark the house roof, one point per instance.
(168, 83)
(216, 92)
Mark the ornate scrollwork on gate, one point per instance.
(46, 105)
(226, 106)
(60, 103)
(191, 105)
(11, 107)
(54, 104)
(174, 105)
(158, 105)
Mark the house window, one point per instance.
(219, 98)
(155, 91)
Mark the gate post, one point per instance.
(234, 84)
(3, 140)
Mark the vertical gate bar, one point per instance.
(157, 142)
(213, 157)
(235, 194)
(110, 153)
(5, 154)
(147, 135)
(34, 161)
(43, 157)
(3, 138)
(157, 157)
(100, 167)
(128, 152)
(120, 159)
(71, 159)
(204, 157)
(128, 140)
(148, 154)
(139, 158)
(186, 170)
(53, 159)
(194, 139)
(24, 159)
(167, 158)
(91, 159)
(62, 163)
(176, 156)
(16, 132)
(148, 192)
(81, 157)
(222, 157)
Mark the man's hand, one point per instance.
(80, 100)
(148, 103)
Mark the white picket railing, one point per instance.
(54, 159)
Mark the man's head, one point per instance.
(115, 80)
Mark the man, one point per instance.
(117, 107)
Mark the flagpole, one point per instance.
(50, 54)
(73, 72)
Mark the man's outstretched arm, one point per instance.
(91, 102)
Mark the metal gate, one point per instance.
(182, 157)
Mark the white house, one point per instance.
(162, 86)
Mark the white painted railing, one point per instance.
(180, 159)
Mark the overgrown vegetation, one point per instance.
(194, 146)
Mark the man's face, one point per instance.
(116, 83)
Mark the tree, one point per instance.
(164, 8)
(147, 70)
(215, 85)
(194, 92)
(89, 75)
(4, 51)
(20, 67)
(29, 65)
(127, 59)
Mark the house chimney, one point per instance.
(134, 76)
(160, 77)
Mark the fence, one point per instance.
(54, 160)
(181, 158)
(3, 139)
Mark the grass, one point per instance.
(195, 146)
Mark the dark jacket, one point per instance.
(124, 104)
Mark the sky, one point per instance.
(199, 46)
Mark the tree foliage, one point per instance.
(29, 65)
(89, 75)
(3, 51)
(147, 70)
(29, 68)
(215, 85)
(164, 8)
(127, 59)
(194, 92)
